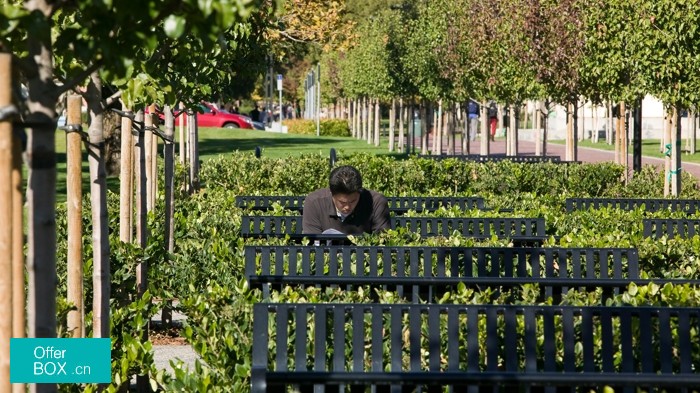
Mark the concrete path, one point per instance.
(585, 154)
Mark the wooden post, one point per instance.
(675, 173)
(537, 119)
(402, 133)
(692, 131)
(148, 151)
(194, 155)
(437, 130)
(618, 131)
(667, 150)
(624, 159)
(424, 129)
(609, 121)
(370, 121)
(154, 163)
(377, 122)
(19, 324)
(126, 176)
(392, 124)
(183, 135)
(514, 120)
(569, 132)
(6, 243)
(74, 199)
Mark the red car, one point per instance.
(209, 116)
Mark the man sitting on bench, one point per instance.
(345, 207)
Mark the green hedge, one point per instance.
(327, 127)
(206, 270)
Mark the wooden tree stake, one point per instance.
(74, 199)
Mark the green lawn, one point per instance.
(650, 148)
(214, 142)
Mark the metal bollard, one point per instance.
(332, 158)
(258, 151)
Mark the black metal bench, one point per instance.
(397, 205)
(493, 158)
(412, 346)
(520, 230)
(671, 227)
(650, 204)
(422, 271)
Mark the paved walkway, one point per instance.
(585, 154)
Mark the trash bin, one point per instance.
(417, 130)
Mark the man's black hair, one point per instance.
(345, 179)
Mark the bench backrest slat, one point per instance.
(650, 204)
(671, 227)
(398, 205)
(480, 227)
(416, 268)
(493, 344)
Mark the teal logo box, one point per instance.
(60, 360)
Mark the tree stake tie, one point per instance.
(671, 172)
(7, 112)
(68, 128)
(667, 153)
(159, 133)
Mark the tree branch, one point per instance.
(68, 85)
(111, 99)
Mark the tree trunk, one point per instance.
(41, 187)
(464, 143)
(485, 141)
(74, 199)
(142, 225)
(169, 161)
(100, 220)
(437, 129)
(126, 187)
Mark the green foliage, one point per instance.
(393, 176)
(205, 272)
(327, 127)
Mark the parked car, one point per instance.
(210, 116)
